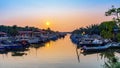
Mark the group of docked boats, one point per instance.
(93, 43)
(23, 42)
(6, 45)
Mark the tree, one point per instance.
(107, 29)
(92, 29)
(113, 11)
(26, 27)
(14, 31)
(118, 37)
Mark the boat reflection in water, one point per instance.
(57, 54)
(111, 57)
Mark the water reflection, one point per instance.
(37, 46)
(22, 52)
(78, 52)
(47, 44)
(109, 56)
(58, 54)
(18, 53)
(111, 60)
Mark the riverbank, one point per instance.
(24, 41)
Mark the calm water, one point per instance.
(59, 54)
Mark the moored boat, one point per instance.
(8, 45)
(95, 49)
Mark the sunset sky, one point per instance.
(63, 15)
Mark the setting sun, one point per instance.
(47, 23)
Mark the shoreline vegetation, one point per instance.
(14, 30)
(107, 29)
(101, 38)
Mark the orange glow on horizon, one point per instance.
(66, 23)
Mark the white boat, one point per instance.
(96, 41)
(31, 40)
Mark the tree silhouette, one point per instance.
(114, 11)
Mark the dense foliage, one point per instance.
(93, 29)
(107, 29)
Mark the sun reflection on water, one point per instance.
(47, 44)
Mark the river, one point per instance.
(55, 54)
